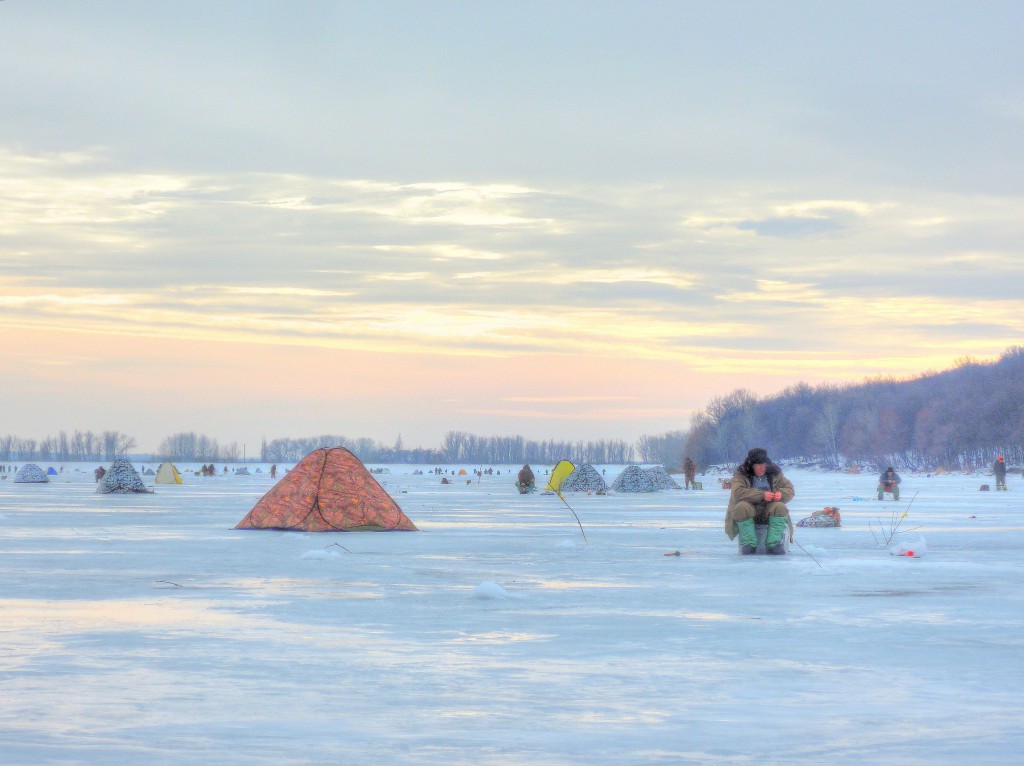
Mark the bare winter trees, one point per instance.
(461, 447)
(76, 447)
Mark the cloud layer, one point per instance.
(725, 197)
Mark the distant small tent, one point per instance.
(662, 478)
(633, 479)
(558, 475)
(121, 479)
(584, 478)
(30, 473)
(462, 472)
(329, 490)
(243, 471)
(51, 471)
(167, 473)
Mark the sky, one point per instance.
(560, 220)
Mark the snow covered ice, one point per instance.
(143, 629)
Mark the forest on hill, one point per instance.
(959, 418)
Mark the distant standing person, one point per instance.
(273, 471)
(999, 469)
(889, 481)
(759, 494)
(690, 472)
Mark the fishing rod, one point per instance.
(798, 545)
(574, 515)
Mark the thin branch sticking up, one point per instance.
(894, 525)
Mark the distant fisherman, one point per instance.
(526, 481)
(999, 469)
(889, 482)
(690, 472)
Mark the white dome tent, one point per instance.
(633, 479)
(584, 478)
(121, 479)
(30, 473)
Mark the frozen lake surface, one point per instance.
(143, 629)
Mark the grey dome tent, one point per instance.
(662, 478)
(633, 479)
(121, 479)
(30, 473)
(584, 478)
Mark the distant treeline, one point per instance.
(189, 445)
(367, 450)
(79, 446)
(457, 447)
(960, 418)
(84, 446)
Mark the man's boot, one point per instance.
(748, 537)
(774, 540)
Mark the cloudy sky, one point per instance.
(570, 220)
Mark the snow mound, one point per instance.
(489, 590)
(912, 549)
(320, 554)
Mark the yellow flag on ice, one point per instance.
(558, 474)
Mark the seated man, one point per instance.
(526, 481)
(759, 495)
(889, 482)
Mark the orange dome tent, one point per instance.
(329, 490)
